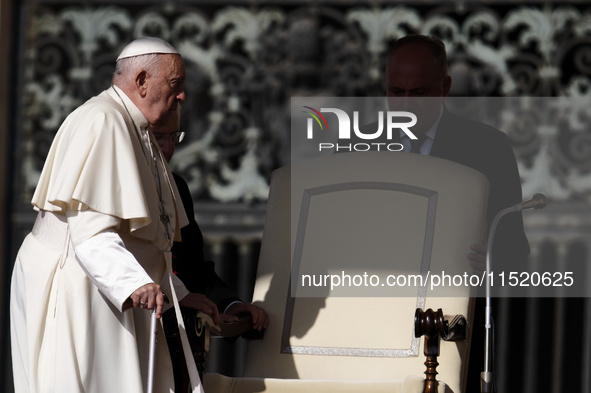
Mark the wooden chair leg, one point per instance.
(431, 352)
(435, 327)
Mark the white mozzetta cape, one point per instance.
(97, 160)
(68, 331)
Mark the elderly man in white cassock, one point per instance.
(98, 257)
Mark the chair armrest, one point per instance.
(200, 329)
(435, 327)
(456, 329)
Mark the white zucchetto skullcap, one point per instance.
(146, 46)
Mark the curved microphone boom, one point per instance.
(537, 201)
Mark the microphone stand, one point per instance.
(486, 377)
(538, 201)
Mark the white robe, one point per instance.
(97, 195)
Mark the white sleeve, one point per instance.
(102, 255)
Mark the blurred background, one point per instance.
(246, 59)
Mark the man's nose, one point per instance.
(403, 101)
(181, 96)
(397, 102)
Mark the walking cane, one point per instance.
(152, 358)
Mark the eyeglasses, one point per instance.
(175, 137)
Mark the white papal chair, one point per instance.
(355, 214)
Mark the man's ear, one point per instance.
(141, 83)
(446, 85)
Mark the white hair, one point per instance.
(126, 69)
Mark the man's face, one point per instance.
(162, 132)
(412, 75)
(165, 89)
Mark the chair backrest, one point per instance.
(355, 214)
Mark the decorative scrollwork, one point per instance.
(246, 26)
(382, 26)
(244, 63)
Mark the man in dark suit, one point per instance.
(190, 265)
(417, 69)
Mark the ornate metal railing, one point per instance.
(245, 61)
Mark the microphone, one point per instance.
(537, 201)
